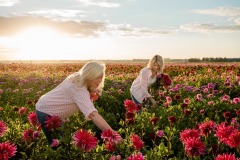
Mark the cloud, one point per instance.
(105, 4)
(220, 11)
(12, 25)
(58, 13)
(127, 30)
(237, 21)
(210, 28)
(207, 28)
(8, 3)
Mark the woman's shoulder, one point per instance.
(146, 70)
(73, 86)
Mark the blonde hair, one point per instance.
(89, 71)
(156, 59)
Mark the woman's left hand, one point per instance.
(94, 95)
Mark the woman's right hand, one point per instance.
(154, 103)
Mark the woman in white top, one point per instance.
(146, 77)
(72, 95)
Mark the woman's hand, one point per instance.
(99, 121)
(94, 95)
(154, 103)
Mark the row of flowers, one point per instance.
(227, 133)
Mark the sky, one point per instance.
(118, 29)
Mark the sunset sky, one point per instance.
(118, 29)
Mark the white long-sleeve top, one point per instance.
(65, 100)
(139, 88)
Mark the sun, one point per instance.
(39, 32)
(38, 43)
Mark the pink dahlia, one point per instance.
(236, 100)
(172, 119)
(7, 150)
(225, 156)
(211, 103)
(187, 111)
(224, 131)
(112, 136)
(177, 97)
(234, 139)
(225, 98)
(32, 118)
(55, 143)
(189, 134)
(167, 80)
(84, 140)
(22, 110)
(227, 115)
(169, 99)
(201, 111)
(199, 97)
(186, 100)
(238, 112)
(110, 146)
(206, 128)
(194, 147)
(183, 105)
(136, 156)
(130, 106)
(160, 133)
(53, 122)
(137, 142)
(36, 134)
(118, 157)
(28, 135)
(3, 128)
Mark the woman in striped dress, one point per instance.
(146, 77)
(76, 92)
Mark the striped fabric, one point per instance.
(139, 88)
(65, 100)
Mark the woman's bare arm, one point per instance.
(99, 121)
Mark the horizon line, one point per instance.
(110, 59)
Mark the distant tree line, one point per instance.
(211, 59)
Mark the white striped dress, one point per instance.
(139, 88)
(65, 100)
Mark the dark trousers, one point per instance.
(134, 100)
(48, 133)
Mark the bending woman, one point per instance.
(146, 77)
(76, 92)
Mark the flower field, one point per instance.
(197, 117)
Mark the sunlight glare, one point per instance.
(38, 43)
